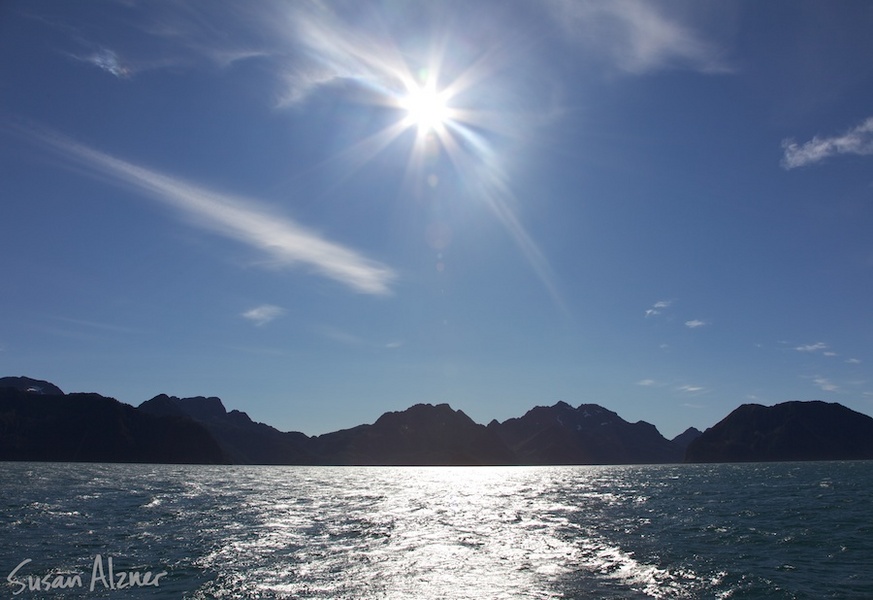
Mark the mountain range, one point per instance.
(38, 421)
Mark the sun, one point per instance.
(426, 108)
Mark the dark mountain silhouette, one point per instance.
(93, 428)
(421, 435)
(39, 422)
(33, 386)
(244, 441)
(589, 434)
(790, 431)
(686, 437)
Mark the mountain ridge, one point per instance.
(794, 430)
(200, 429)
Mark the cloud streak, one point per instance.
(690, 389)
(658, 307)
(695, 323)
(812, 347)
(858, 140)
(286, 242)
(108, 61)
(637, 36)
(825, 384)
(261, 315)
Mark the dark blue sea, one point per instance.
(777, 530)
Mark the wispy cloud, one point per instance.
(108, 61)
(648, 383)
(285, 241)
(261, 315)
(695, 323)
(825, 384)
(335, 48)
(812, 347)
(638, 36)
(854, 361)
(658, 307)
(690, 389)
(858, 140)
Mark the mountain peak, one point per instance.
(687, 436)
(201, 408)
(796, 430)
(31, 386)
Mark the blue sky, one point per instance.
(322, 211)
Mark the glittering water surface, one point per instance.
(791, 530)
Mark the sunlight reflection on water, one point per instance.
(405, 533)
(421, 533)
(675, 531)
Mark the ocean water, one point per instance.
(779, 530)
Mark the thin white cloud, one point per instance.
(690, 389)
(658, 307)
(336, 49)
(695, 323)
(261, 315)
(302, 45)
(854, 361)
(825, 384)
(286, 242)
(647, 383)
(812, 347)
(638, 36)
(858, 140)
(829, 353)
(107, 60)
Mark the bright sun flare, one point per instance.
(425, 108)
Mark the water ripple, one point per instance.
(695, 531)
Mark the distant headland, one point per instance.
(39, 422)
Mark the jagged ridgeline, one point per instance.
(38, 421)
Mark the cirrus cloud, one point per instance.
(858, 140)
(637, 36)
(261, 315)
(284, 241)
(812, 347)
